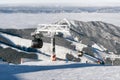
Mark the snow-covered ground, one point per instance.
(58, 70)
(22, 20)
(17, 40)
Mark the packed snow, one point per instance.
(58, 70)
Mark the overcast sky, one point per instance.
(65, 2)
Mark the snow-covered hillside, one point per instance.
(17, 40)
(94, 37)
(58, 70)
(45, 51)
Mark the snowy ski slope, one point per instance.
(59, 70)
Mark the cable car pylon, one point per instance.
(52, 29)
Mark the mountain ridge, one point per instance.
(96, 31)
(59, 9)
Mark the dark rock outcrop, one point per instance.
(13, 56)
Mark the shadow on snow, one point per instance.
(9, 71)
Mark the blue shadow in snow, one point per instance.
(25, 68)
(11, 70)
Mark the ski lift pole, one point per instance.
(52, 29)
(53, 55)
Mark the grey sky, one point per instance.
(66, 2)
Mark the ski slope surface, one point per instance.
(59, 70)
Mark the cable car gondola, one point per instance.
(37, 43)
